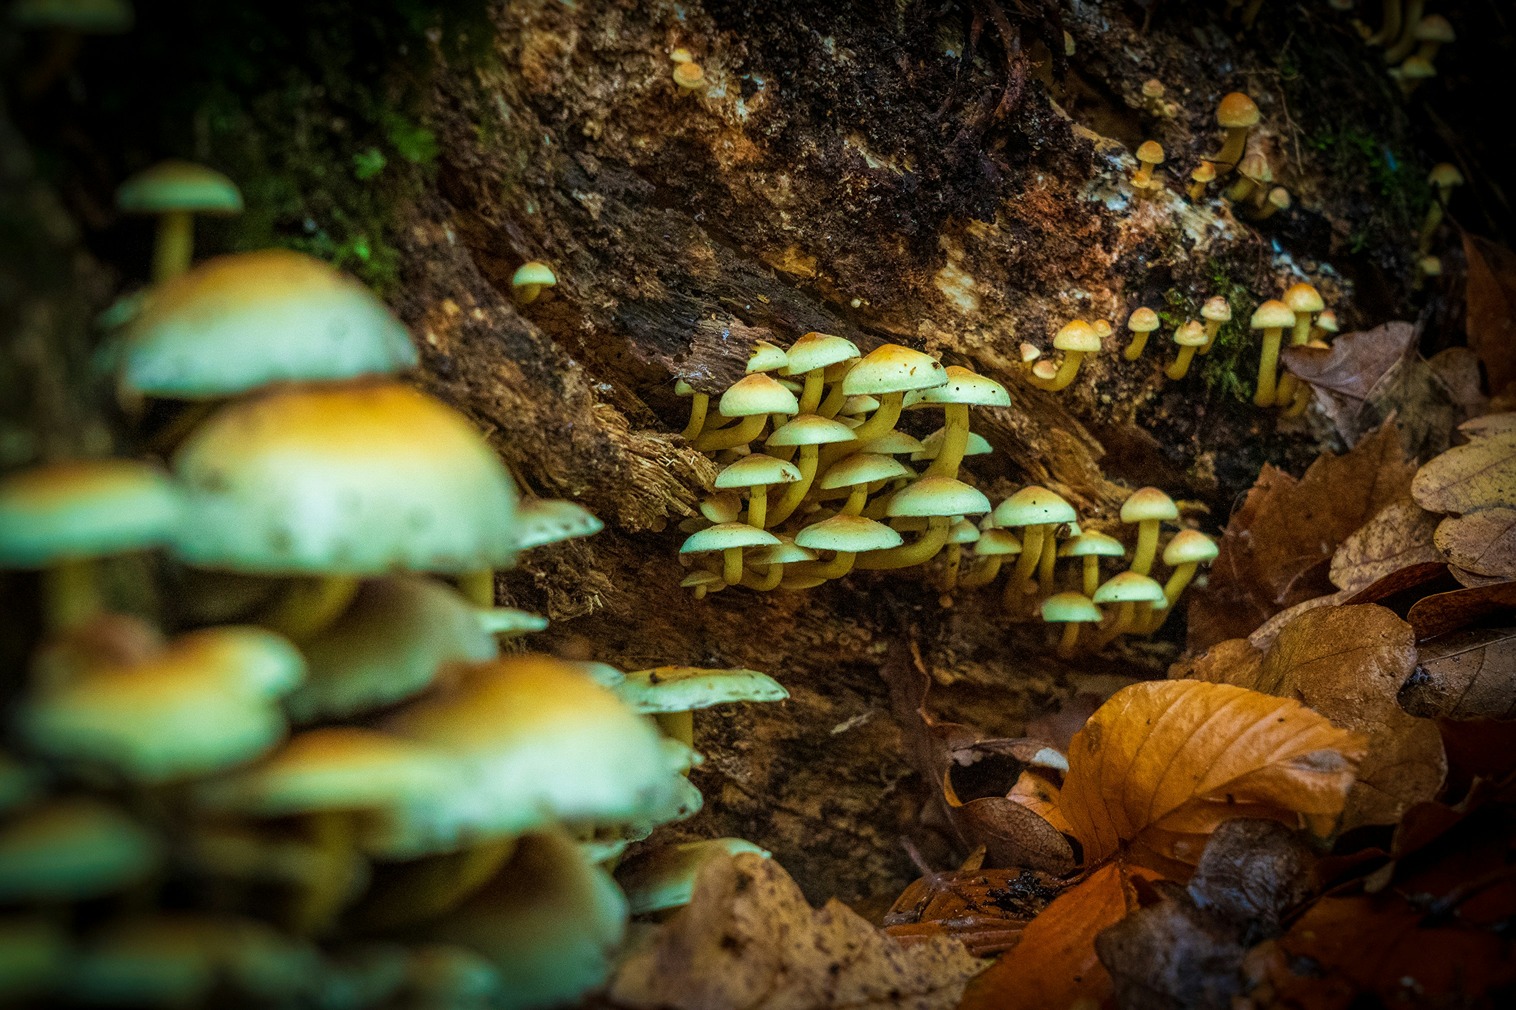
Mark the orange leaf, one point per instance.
(1492, 308)
(1055, 964)
(1163, 763)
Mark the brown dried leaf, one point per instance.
(1055, 964)
(1012, 832)
(1458, 370)
(1234, 661)
(1353, 364)
(1399, 536)
(749, 940)
(1172, 954)
(1444, 612)
(1276, 550)
(1483, 542)
(1163, 763)
(1252, 873)
(1467, 478)
(1468, 674)
(1491, 321)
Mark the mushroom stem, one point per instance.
(1405, 41)
(1232, 150)
(906, 555)
(1067, 369)
(1091, 574)
(175, 246)
(983, 573)
(1147, 546)
(699, 404)
(955, 441)
(811, 393)
(1026, 564)
(882, 421)
(767, 582)
(1389, 30)
(758, 506)
(1268, 362)
(856, 499)
(731, 566)
(841, 563)
(1069, 640)
(954, 562)
(334, 833)
(679, 725)
(741, 433)
(478, 587)
(1429, 226)
(1180, 367)
(1178, 581)
(70, 594)
(1285, 393)
(1142, 175)
(1301, 401)
(310, 605)
(1212, 327)
(1134, 349)
(832, 404)
(1120, 625)
(1047, 564)
(794, 491)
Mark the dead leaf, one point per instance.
(1252, 873)
(1234, 661)
(1458, 370)
(1348, 663)
(1489, 424)
(1172, 954)
(1413, 396)
(1012, 832)
(1467, 478)
(1444, 612)
(1343, 375)
(1482, 542)
(1470, 579)
(1399, 536)
(1058, 728)
(749, 940)
(1055, 963)
(1491, 320)
(1163, 763)
(1469, 674)
(985, 909)
(1276, 550)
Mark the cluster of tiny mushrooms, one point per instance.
(834, 479)
(324, 775)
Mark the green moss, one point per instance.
(1225, 370)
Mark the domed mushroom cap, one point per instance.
(1303, 297)
(1445, 174)
(993, 541)
(758, 393)
(757, 469)
(931, 446)
(73, 849)
(93, 17)
(1092, 543)
(388, 645)
(550, 520)
(1128, 587)
(786, 552)
(1142, 320)
(962, 386)
(852, 534)
(1327, 321)
(235, 323)
(1150, 152)
(1216, 310)
(357, 479)
(862, 468)
(1077, 335)
(179, 185)
(891, 368)
(665, 877)
(810, 429)
(1272, 314)
(963, 532)
(818, 350)
(1236, 111)
(333, 768)
(88, 508)
(861, 404)
(687, 688)
(1069, 608)
(724, 536)
(937, 496)
(1034, 506)
(767, 357)
(1189, 547)
(1148, 503)
(1434, 28)
(1204, 172)
(894, 443)
(204, 702)
(534, 273)
(725, 507)
(1191, 334)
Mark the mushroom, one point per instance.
(1253, 171)
(1147, 507)
(75, 849)
(1303, 300)
(1433, 32)
(689, 76)
(1149, 157)
(1141, 322)
(1325, 326)
(1152, 97)
(857, 472)
(1442, 178)
(895, 443)
(699, 406)
(729, 539)
(757, 473)
(1186, 552)
(60, 517)
(1070, 610)
(1075, 340)
(810, 357)
(809, 432)
(962, 389)
(543, 521)
(1411, 73)
(1215, 312)
(529, 280)
(1277, 199)
(772, 560)
(990, 550)
(1092, 545)
(1405, 40)
(1041, 511)
(672, 694)
(960, 533)
(1189, 338)
(751, 399)
(1127, 589)
(936, 499)
(1271, 317)
(1236, 114)
(889, 372)
(664, 878)
(1203, 175)
(176, 191)
(846, 535)
(702, 582)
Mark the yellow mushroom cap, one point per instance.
(689, 75)
(680, 54)
(1216, 309)
(862, 404)
(1444, 174)
(931, 446)
(963, 386)
(1092, 542)
(1143, 320)
(1327, 321)
(1128, 587)
(1237, 111)
(82, 509)
(1102, 328)
(786, 552)
(862, 468)
(1204, 172)
(1279, 198)
(818, 350)
(1302, 298)
(1067, 608)
(994, 541)
(757, 469)
(1189, 547)
(690, 688)
(1272, 315)
(535, 273)
(73, 849)
(1034, 506)
(1045, 369)
(891, 368)
(767, 357)
(810, 429)
(937, 496)
(1255, 166)
(757, 394)
(1152, 88)
(1191, 334)
(1150, 153)
(1148, 503)
(1077, 335)
(963, 532)
(1430, 265)
(700, 578)
(179, 186)
(852, 534)
(724, 536)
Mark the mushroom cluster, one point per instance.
(1411, 39)
(817, 480)
(320, 783)
(1302, 311)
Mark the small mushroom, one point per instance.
(699, 406)
(1186, 552)
(809, 432)
(1126, 589)
(672, 694)
(176, 191)
(1070, 610)
(889, 372)
(1433, 32)
(960, 533)
(67, 850)
(962, 389)
(1149, 157)
(1091, 546)
(857, 473)
(938, 500)
(1271, 317)
(702, 582)
(990, 550)
(1442, 178)
(810, 357)
(756, 473)
(1148, 508)
(772, 562)
(1203, 175)
(1325, 326)
(1215, 312)
(1303, 300)
(729, 539)
(1189, 338)
(1237, 114)
(1075, 340)
(847, 536)
(1041, 511)
(690, 76)
(1278, 199)
(751, 399)
(1142, 323)
(1152, 97)
(529, 280)
(1411, 73)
